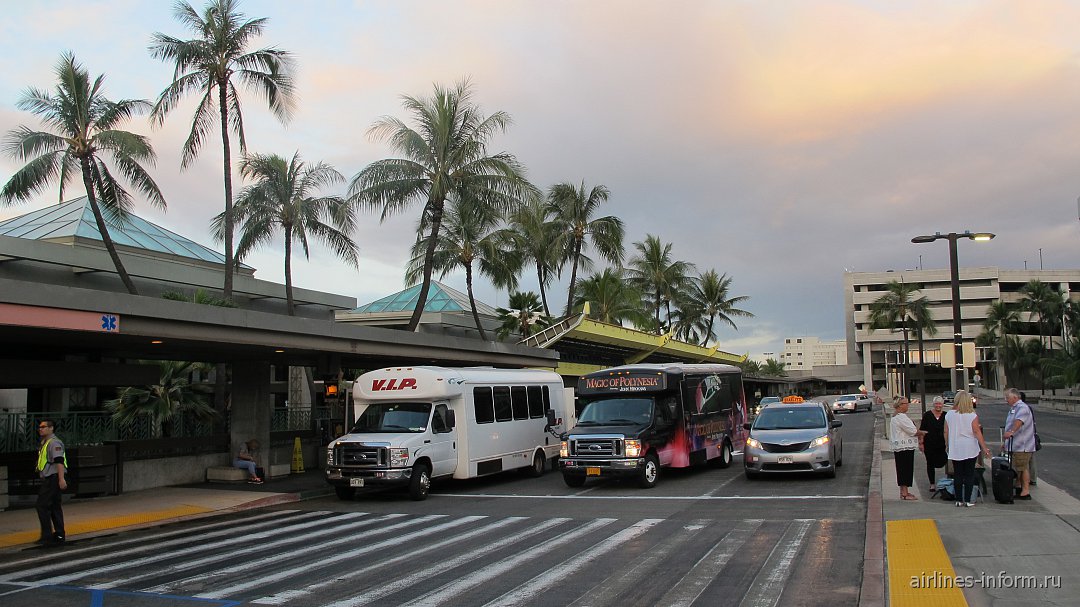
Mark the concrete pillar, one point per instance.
(250, 410)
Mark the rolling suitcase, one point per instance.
(1003, 479)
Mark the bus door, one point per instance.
(443, 440)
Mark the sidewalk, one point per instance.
(1025, 553)
(86, 517)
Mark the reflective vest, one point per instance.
(43, 456)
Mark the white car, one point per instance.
(851, 403)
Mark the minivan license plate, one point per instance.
(785, 459)
(356, 482)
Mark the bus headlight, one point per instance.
(564, 450)
(753, 443)
(819, 441)
(633, 448)
(399, 457)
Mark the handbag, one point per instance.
(1035, 427)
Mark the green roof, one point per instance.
(441, 298)
(75, 218)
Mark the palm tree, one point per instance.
(199, 296)
(207, 65)
(523, 315)
(83, 123)
(710, 298)
(282, 197)
(1001, 320)
(174, 395)
(611, 299)
(446, 153)
(773, 368)
(467, 239)
(656, 274)
(897, 305)
(1046, 303)
(750, 367)
(574, 210)
(535, 236)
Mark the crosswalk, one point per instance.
(350, 559)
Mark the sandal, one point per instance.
(909, 497)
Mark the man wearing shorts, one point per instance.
(1019, 438)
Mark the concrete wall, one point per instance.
(151, 473)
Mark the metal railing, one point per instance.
(18, 431)
(297, 419)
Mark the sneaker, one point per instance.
(969, 504)
(958, 504)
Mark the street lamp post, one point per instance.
(954, 270)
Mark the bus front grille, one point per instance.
(597, 446)
(361, 455)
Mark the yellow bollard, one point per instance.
(297, 457)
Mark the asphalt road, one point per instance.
(701, 537)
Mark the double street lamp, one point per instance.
(958, 337)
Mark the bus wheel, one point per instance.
(345, 493)
(725, 456)
(420, 483)
(650, 472)
(537, 468)
(574, 480)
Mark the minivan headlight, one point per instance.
(753, 443)
(633, 448)
(819, 441)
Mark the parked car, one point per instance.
(794, 436)
(851, 403)
(950, 398)
(765, 400)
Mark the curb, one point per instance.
(872, 591)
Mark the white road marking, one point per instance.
(661, 497)
(444, 566)
(767, 587)
(689, 588)
(448, 592)
(345, 557)
(559, 572)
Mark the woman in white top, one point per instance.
(904, 438)
(963, 439)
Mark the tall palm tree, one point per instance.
(522, 316)
(209, 64)
(773, 368)
(536, 237)
(898, 305)
(83, 125)
(445, 153)
(467, 239)
(575, 209)
(1001, 321)
(174, 395)
(282, 197)
(655, 273)
(1046, 303)
(611, 298)
(710, 296)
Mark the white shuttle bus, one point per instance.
(418, 423)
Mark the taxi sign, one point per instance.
(792, 400)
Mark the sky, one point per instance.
(778, 143)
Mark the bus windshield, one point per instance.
(393, 417)
(616, 412)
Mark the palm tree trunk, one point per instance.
(573, 279)
(708, 330)
(907, 358)
(659, 329)
(540, 275)
(429, 257)
(103, 229)
(922, 370)
(472, 302)
(288, 272)
(224, 111)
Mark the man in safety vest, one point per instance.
(51, 467)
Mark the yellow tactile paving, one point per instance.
(76, 527)
(920, 572)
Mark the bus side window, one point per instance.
(483, 405)
(718, 397)
(537, 406)
(438, 420)
(504, 411)
(520, 402)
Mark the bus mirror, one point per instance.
(746, 426)
(551, 421)
(450, 419)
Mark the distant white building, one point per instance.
(805, 352)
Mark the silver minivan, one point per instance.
(794, 436)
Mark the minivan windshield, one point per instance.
(779, 417)
(617, 412)
(393, 417)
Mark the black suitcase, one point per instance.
(1003, 479)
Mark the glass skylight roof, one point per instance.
(441, 298)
